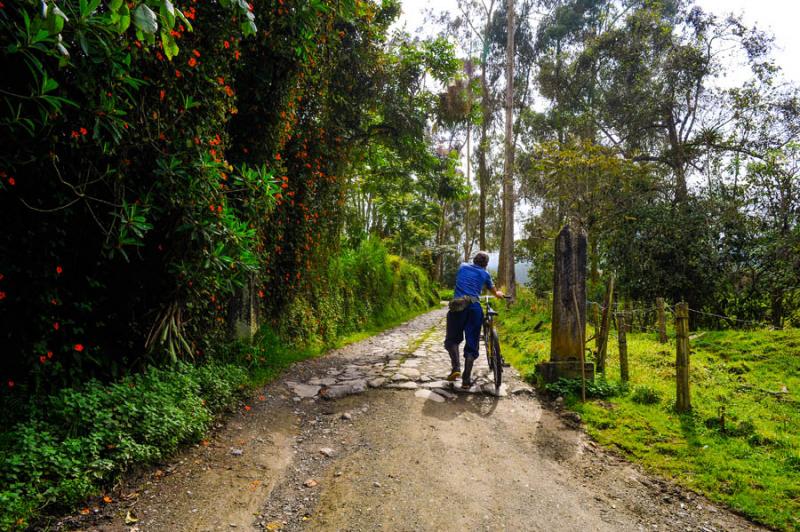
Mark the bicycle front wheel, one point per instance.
(497, 360)
(488, 344)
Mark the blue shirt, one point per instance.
(470, 280)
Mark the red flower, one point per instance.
(162, 94)
(261, 294)
(56, 325)
(12, 181)
(196, 53)
(2, 296)
(59, 270)
(78, 347)
(178, 74)
(74, 134)
(10, 383)
(226, 44)
(277, 156)
(42, 359)
(262, 398)
(192, 62)
(237, 54)
(84, 131)
(49, 354)
(247, 408)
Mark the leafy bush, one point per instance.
(645, 395)
(79, 439)
(598, 388)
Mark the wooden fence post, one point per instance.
(629, 311)
(662, 320)
(682, 399)
(623, 348)
(605, 326)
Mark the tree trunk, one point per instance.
(506, 269)
(483, 178)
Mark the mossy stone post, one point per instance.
(569, 309)
(683, 401)
(243, 315)
(623, 348)
(662, 320)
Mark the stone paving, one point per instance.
(404, 359)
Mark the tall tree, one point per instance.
(506, 266)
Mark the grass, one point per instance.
(740, 446)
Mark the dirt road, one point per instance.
(369, 438)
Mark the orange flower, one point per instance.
(107, 499)
(228, 90)
(247, 408)
(162, 94)
(192, 62)
(83, 131)
(49, 354)
(196, 53)
(237, 54)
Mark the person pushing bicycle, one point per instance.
(465, 317)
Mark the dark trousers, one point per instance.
(466, 323)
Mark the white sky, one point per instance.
(779, 17)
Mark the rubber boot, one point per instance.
(455, 363)
(466, 381)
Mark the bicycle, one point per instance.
(492, 342)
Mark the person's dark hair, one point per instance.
(481, 259)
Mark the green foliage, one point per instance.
(77, 440)
(366, 287)
(740, 444)
(599, 388)
(645, 395)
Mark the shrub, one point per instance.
(645, 395)
(599, 388)
(77, 440)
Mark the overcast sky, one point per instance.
(780, 17)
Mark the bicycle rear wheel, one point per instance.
(497, 360)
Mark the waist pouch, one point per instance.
(460, 304)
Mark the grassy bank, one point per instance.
(740, 445)
(56, 450)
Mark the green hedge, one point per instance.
(80, 438)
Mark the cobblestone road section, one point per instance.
(404, 360)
